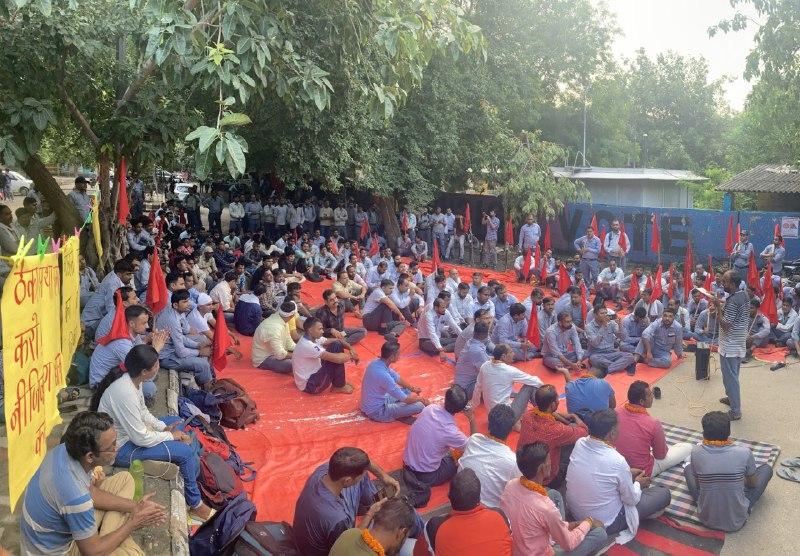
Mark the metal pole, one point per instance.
(583, 151)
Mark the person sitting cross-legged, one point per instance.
(660, 339)
(386, 530)
(537, 513)
(318, 362)
(602, 334)
(68, 509)
(470, 529)
(381, 314)
(560, 431)
(331, 314)
(601, 484)
(782, 331)
(723, 477)
(561, 346)
(385, 396)
(633, 325)
(641, 437)
(490, 457)
(437, 330)
(496, 381)
(472, 357)
(589, 393)
(512, 329)
(272, 342)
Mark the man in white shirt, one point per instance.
(281, 212)
(489, 456)
(437, 330)
(318, 362)
(601, 484)
(608, 283)
(512, 329)
(496, 381)
(462, 303)
(533, 269)
(482, 300)
(236, 213)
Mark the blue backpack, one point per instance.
(217, 535)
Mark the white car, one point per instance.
(20, 185)
(183, 189)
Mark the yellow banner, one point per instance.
(96, 226)
(70, 298)
(35, 368)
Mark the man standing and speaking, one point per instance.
(732, 339)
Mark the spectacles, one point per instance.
(113, 448)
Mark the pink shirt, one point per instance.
(534, 519)
(641, 439)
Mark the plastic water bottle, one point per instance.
(137, 470)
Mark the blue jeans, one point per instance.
(393, 409)
(179, 453)
(730, 379)
(199, 366)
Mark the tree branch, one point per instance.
(80, 119)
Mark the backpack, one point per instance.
(217, 535)
(218, 481)
(265, 538)
(210, 442)
(239, 411)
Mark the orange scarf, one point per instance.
(717, 442)
(535, 411)
(533, 485)
(633, 408)
(586, 375)
(372, 542)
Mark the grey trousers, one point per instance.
(730, 379)
(382, 320)
(426, 346)
(282, 366)
(653, 500)
(590, 269)
(522, 399)
(554, 362)
(591, 543)
(612, 361)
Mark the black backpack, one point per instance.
(217, 535)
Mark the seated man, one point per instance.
(601, 484)
(681, 317)
(69, 508)
(472, 358)
(470, 529)
(782, 331)
(490, 457)
(533, 270)
(558, 430)
(496, 381)
(602, 334)
(387, 527)
(641, 438)
(129, 297)
(381, 314)
(318, 362)
(334, 494)
(512, 329)
(272, 343)
(608, 283)
(502, 301)
(462, 303)
(659, 340)
(477, 283)
(349, 291)
(331, 314)
(408, 298)
(572, 304)
(697, 304)
(706, 329)
(633, 325)
(537, 513)
(385, 397)
(589, 393)
(182, 352)
(419, 250)
(428, 455)
(652, 309)
(436, 330)
(561, 347)
(247, 313)
(481, 315)
(723, 477)
(483, 301)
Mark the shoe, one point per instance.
(725, 401)
(734, 416)
(631, 369)
(777, 366)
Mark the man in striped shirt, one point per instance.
(733, 329)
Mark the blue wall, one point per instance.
(706, 228)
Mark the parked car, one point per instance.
(20, 185)
(183, 189)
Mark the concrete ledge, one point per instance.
(179, 524)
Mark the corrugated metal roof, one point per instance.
(770, 178)
(655, 174)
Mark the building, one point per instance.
(634, 187)
(776, 187)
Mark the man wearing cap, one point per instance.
(740, 256)
(79, 198)
(272, 343)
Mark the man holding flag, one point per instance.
(617, 245)
(740, 256)
(774, 253)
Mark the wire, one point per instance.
(695, 406)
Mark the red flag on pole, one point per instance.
(671, 287)
(537, 257)
(157, 294)
(584, 304)
(752, 273)
(738, 232)
(221, 341)
(593, 224)
(532, 333)
(564, 281)
(623, 239)
(404, 222)
(547, 242)
(602, 241)
(509, 232)
(364, 230)
(119, 327)
(657, 290)
(333, 248)
(526, 264)
(655, 236)
(374, 247)
(467, 219)
(633, 289)
(648, 284)
(687, 271)
(768, 304)
(777, 233)
(435, 260)
(729, 236)
(708, 284)
(123, 209)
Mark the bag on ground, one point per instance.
(239, 411)
(217, 535)
(266, 538)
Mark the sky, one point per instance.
(682, 26)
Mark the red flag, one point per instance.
(435, 260)
(119, 327)
(542, 266)
(633, 289)
(778, 233)
(526, 264)
(752, 273)
(333, 248)
(593, 224)
(738, 232)
(364, 231)
(648, 284)
(584, 304)
(152, 216)
(657, 291)
(729, 236)
(768, 305)
(467, 219)
(655, 236)
(404, 222)
(623, 240)
(157, 294)
(509, 232)
(564, 281)
(532, 334)
(182, 217)
(537, 257)
(123, 210)
(221, 341)
(547, 243)
(602, 241)
(374, 248)
(709, 276)
(671, 288)
(687, 271)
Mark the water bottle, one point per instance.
(137, 470)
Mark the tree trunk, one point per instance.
(387, 214)
(67, 218)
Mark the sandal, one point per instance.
(789, 473)
(791, 462)
(69, 394)
(197, 520)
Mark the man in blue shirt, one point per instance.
(740, 256)
(660, 339)
(182, 352)
(473, 356)
(588, 248)
(589, 393)
(69, 508)
(633, 325)
(385, 397)
(561, 347)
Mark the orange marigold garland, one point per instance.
(533, 485)
(633, 408)
(372, 542)
(586, 375)
(717, 442)
(544, 415)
